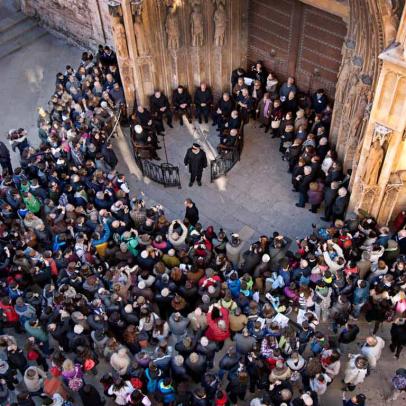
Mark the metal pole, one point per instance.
(166, 155)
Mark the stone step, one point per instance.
(17, 31)
(11, 20)
(23, 40)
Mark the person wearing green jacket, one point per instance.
(33, 328)
(31, 202)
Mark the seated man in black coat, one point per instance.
(228, 142)
(159, 106)
(182, 101)
(203, 101)
(233, 122)
(223, 111)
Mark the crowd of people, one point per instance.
(301, 122)
(106, 300)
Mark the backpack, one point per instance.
(399, 382)
(75, 383)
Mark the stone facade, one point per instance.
(86, 22)
(162, 44)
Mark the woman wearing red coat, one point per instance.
(218, 325)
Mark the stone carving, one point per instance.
(197, 24)
(220, 20)
(119, 36)
(373, 164)
(390, 20)
(345, 70)
(141, 41)
(172, 28)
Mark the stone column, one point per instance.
(387, 124)
(124, 56)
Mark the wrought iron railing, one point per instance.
(165, 174)
(222, 164)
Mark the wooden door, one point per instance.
(293, 38)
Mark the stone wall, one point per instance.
(86, 22)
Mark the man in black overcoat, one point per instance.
(196, 159)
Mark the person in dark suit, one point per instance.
(196, 159)
(319, 101)
(182, 101)
(245, 104)
(223, 111)
(160, 108)
(340, 204)
(203, 101)
(330, 194)
(304, 186)
(235, 74)
(192, 212)
(5, 160)
(234, 122)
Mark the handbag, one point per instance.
(275, 124)
(88, 364)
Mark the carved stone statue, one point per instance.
(172, 28)
(219, 25)
(142, 44)
(390, 21)
(344, 73)
(120, 38)
(373, 164)
(197, 26)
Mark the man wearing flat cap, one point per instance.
(196, 159)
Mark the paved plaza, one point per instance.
(255, 198)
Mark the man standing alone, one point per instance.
(196, 159)
(192, 213)
(5, 160)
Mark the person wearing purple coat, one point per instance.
(315, 195)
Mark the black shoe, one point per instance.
(181, 123)
(200, 121)
(206, 120)
(199, 183)
(157, 158)
(158, 148)
(218, 129)
(213, 124)
(190, 184)
(298, 205)
(170, 125)
(325, 219)
(313, 211)
(262, 126)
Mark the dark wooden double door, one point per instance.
(293, 38)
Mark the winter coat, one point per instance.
(373, 353)
(120, 361)
(354, 375)
(398, 333)
(348, 335)
(34, 384)
(214, 332)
